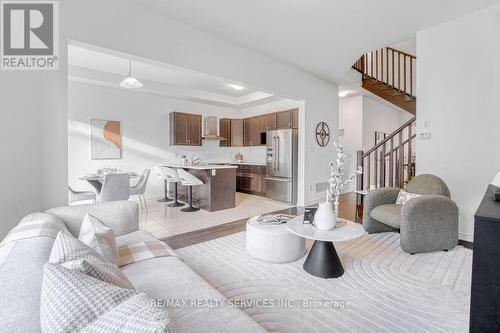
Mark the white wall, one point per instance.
(381, 118)
(152, 36)
(360, 116)
(279, 105)
(458, 94)
(351, 121)
(145, 132)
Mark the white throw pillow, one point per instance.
(404, 197)
(75, 302)
(71, 253)
(100, 237)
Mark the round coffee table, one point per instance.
(322, 260)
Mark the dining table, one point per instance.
(96, 179)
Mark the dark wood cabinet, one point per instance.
(251, 179)
(251, 131)
(185, 129)
(270, 121)
(225, 132)
(284, 119)
(247, 132)
(263, 123)
(237, 132)
(295, 118)
(485, 295)
(194, 130)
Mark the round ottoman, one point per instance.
(273, 243)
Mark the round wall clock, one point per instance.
(322, 134)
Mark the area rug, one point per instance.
(383, 288)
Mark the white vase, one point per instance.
(325, 219)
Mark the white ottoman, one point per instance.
(273, 243)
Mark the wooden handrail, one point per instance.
(391, 67)
(390, 136)
(392, 161)
(403, 53)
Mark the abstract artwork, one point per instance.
(106, 140)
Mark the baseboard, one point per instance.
(466, 237)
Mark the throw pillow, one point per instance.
(100, 237)
(73, 254)
(404, 197)
(72, 301)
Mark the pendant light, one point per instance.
(130, 82)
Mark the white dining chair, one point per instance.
(189, 180)
(115, 187)
(173, 177)
(140, 188)
(75, 196)
(162, 175)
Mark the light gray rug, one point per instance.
(386, 289)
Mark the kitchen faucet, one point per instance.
(195, 160)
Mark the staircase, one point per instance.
(390, 74)
(391, 163)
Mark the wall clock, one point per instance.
(322, 134)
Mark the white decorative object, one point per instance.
(326, 215)
(325, 218)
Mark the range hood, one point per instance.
(210, 129)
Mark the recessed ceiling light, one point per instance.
(343, 93)
(236, 86)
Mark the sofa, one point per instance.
(426, 223)
(165, 278)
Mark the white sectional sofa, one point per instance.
(165, 278)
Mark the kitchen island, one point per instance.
(218, 191)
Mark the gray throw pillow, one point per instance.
(72, 301)
(404, 197)
(71, 253)
(100, 237)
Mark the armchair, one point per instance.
(426, 223)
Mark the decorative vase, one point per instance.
(325, 218)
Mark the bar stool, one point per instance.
(163, 176)
(173, 177)
(189, 180)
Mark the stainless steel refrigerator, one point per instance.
(281, 170)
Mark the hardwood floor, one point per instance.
(347, 209)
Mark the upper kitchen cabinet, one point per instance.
(295, 118)
(237, 132)
(284, 119)
(225, 132)
(270, 121)
(185, 129)
(251, 131)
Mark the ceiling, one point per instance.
(107, 67)
(323, 37)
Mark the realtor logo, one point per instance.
(29, 35)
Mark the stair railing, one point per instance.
(391, 162)
(394, 68)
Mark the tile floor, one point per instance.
(163, 221)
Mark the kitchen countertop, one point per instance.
(249, 163)
(201, 166)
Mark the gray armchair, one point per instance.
(426, 223)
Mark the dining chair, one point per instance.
(140, 188)
(115, 187)
(162, 175)
(75, 196)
